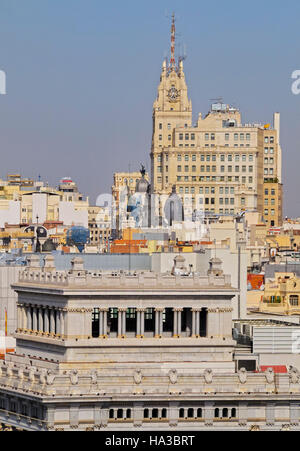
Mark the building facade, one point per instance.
(222, 165)
(122, 352)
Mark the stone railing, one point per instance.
(49, 381)
(78, 276)
(121, 281)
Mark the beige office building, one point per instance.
(221, 164)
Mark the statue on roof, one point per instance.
(143, 170)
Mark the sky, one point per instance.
(82, 76)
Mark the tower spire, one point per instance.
(173, 31)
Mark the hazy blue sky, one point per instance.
(82, 76)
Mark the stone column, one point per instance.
(40, 318)
(160, 322)
(105, 311)
(62, 323)
(100, 323)
(29, 320)
(156, 323)
(58, 324)
(24, 317)
(34, 320)
(193, 323)
(124, 322)
(175, 323)
(179, 321)
(198, 332)
(138, 323)
(46, 321)
(52, 322)
(19, 318)
(119, 323)
(143, 323)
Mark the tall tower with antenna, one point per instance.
(172, 109)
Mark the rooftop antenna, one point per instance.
(173, 38)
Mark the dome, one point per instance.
(142, 186)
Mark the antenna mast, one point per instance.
(173, 31)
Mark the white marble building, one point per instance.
(146, 352)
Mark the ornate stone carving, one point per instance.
(270, 376)
(138, 377)
(31, 374)
(208, 376)
(50, 377)
(9, 370)
(74, 377)
(94, 377)
(294, 375)
(43, 377)
(243, 376)
(173, 376)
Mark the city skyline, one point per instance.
(46, 131)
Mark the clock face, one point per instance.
(173, 94)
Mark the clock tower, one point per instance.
(171, 110)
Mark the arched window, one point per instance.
(120, 413)
(233, 413)
(128, 414)
(225, 413)
(164, 413)
(111, 414)
(146, 413)
(217, 413)
(155, 413)
(181, 413)
(191, 413)
(199, 413)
